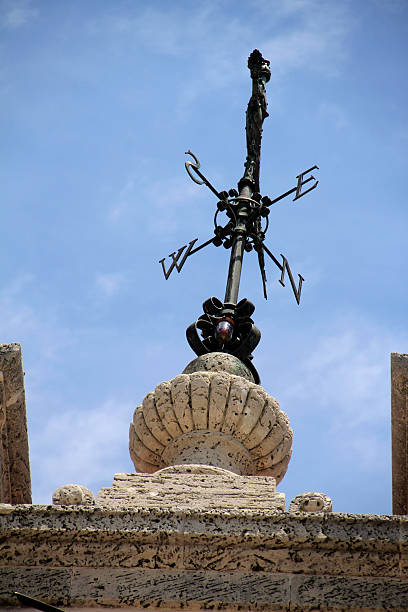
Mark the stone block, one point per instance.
(187, 589)
(332, 593)
(49, 585)
(197, 487)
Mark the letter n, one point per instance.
(285, 266)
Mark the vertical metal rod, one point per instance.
(234, 272)
(255, 115)
(237, 250)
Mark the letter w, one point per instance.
(176, 257)
(285, 266)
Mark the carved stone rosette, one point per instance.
(212, 418)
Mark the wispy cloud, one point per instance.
(67, 443)
(344, 380)
(392, 6)
(16, 13)
(82, 447)
(312, 37)
(335, 114)
(110, 283)
(126, 197)
(20, 321)
(164, 198)
(294, 34)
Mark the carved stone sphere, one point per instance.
(311, 502)
(219, 362)
(73, 495)
(211, 418)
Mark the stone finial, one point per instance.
(311, 502)
(213, 418)
(73, 495)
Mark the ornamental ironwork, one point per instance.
(227, 326)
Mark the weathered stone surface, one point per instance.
(73, 495)
(350, 593)
(15, 480)
(6, 508)
(213, 418)
(2, 402)
(186, 588)
(188, 559)
(399, 428)
(50, 585)
(311, 502)
(197, 487)
(209, 448)
(219, 362)
(261, 528)
(5, 484)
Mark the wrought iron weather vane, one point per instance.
(227, 326)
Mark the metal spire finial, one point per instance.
(227, 326)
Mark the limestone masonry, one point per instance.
(204, 559)
(201, 525)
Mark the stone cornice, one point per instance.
(190, 559)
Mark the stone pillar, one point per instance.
(399, 420)
(15, 481)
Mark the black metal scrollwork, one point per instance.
(227, 328)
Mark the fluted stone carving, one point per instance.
(213, 418)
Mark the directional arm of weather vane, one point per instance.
(182, 255)
(201, 246)
(190, 166)
(261, 262)
(298, 189)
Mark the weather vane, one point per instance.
(227, 326)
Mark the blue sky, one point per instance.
(99, 100)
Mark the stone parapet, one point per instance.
(185, 559)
